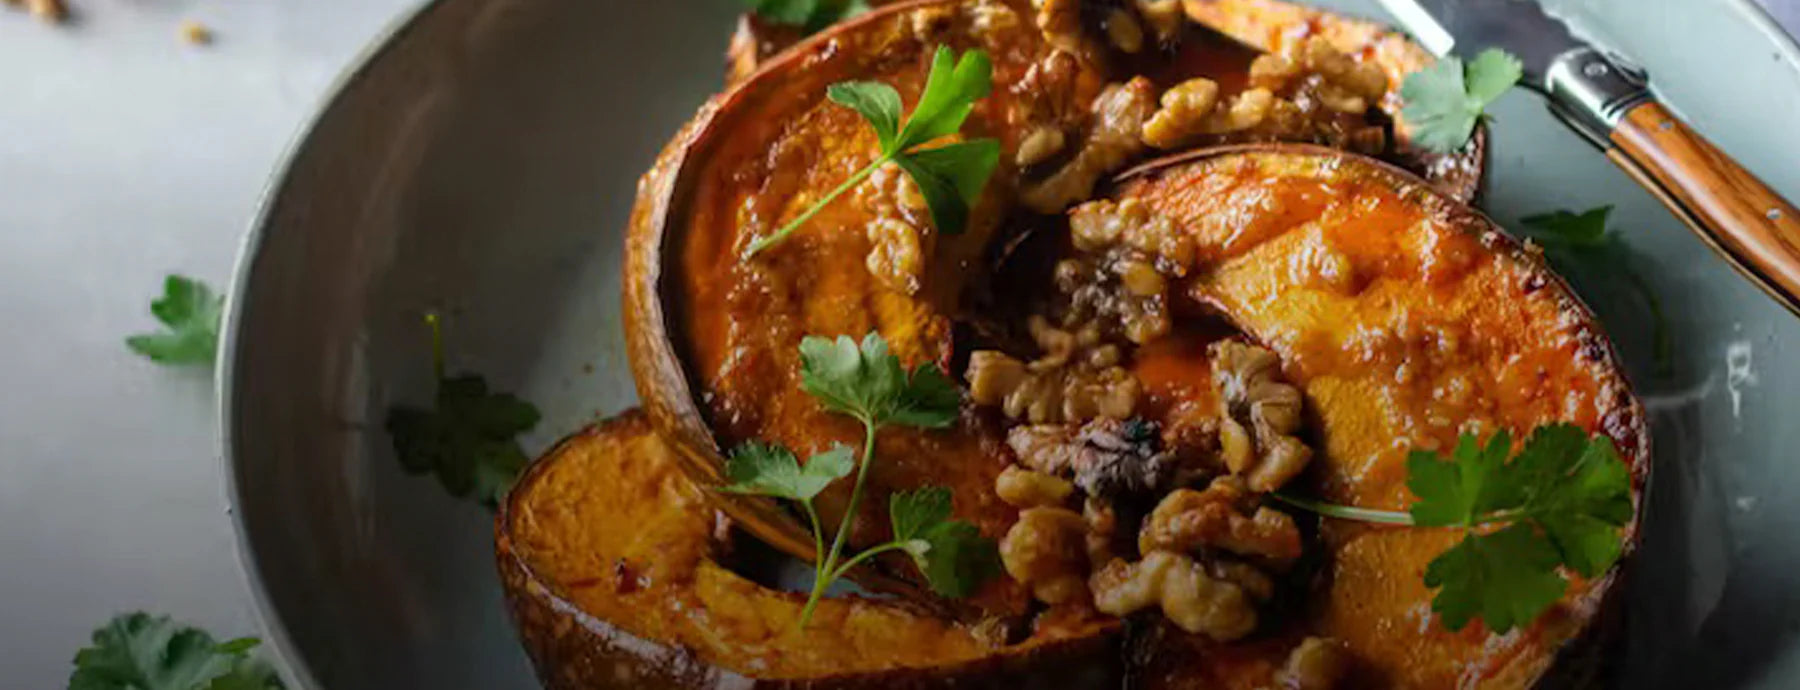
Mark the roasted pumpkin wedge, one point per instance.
(1274, 26)
(1219, 39)
(1405, 318)
(617, 576)
(712, 334)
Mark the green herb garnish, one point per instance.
(1560, 502)
(469, 438)
(1445, 100)
(951, 176)
(808, 15)
(191, 311)
(1583, 240)
(866, 382)
(138, 651)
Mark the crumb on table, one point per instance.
(196, 33)
(52, 11)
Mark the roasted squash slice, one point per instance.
(713, 336)
(1406, 318)
(614, 570)
(1220, 40)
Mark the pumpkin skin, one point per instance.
(713, 337)
(654, 606)
(1431, 321)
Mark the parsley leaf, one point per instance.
(1457, 493)
(1560, 502)
(1579, 505)
(1562, 229)
(951, 90)
(809, 15)
(1506, 579)
(191, 311)
(877, 102)
(915, 512)
(868, 383)
(1564, 496)
(1446, 99)
(138, 651)
(770, 470)
(468, 438)
(950, 177)
(952, 554)
(1582, 240)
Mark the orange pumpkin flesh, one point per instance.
(1406, 319)
(616, 576)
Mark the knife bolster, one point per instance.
(1593, 92)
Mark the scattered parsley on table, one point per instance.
(137, 651)
(190, 311)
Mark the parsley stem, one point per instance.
(1332, 510)
(1663, 348)
(771, 240)
(824, 575)
(866, 555)
(818, 531)
(438, 345)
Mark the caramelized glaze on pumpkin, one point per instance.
(607, 524)
(745, 318)
(1406, 320)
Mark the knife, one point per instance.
(1606, 98)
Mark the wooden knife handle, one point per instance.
(1744, 220)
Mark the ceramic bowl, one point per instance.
(481, 161)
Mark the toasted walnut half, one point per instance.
(1187, 594)
(1107, 458)
(1224, 516)
(1076, 380)
(1317, 663)
(1023, 488)
(1046, 550)
(1259, 414)
(1118, 115)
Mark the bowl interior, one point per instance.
(483, 164)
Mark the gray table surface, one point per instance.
(125, 155)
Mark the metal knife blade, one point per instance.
(1467, 27)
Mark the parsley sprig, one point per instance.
(951, 176)
(469, 438)
(1445, 100)
(808, 15)
(866, 382)
(1583, 240)
(1559, 503)
(191, 311)
(137, 651)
